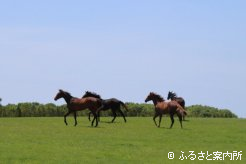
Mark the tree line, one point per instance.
(36, 109)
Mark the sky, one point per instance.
(124, 49)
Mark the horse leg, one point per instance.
(156, 114)
(183, 113)
(95, 118)
(114, 114)
(92, 122)
(181, 116)
(89, 116)
(180, 120)
(98, 112)
(120, 111)
(171, 116)
(75, 118)
(65, 117)
(98, 116)
(160, 117)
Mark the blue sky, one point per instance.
(124, 49)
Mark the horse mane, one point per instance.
(159, 97)
(91, 94)
(65, 93)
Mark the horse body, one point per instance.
(112, 103)
(77, 104)
(162, 107)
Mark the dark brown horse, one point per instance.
(180, 100)
(113, 104)
(76, 104)
(162, 107)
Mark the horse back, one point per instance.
(111, 103)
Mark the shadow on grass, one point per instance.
(184, 128)
(98, 127)
(110, 122)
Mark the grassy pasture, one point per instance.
(48, 140)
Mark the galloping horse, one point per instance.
(113, 104)
(162, 107)
(76, 104)
(180, 100)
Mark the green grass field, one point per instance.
(48, 140)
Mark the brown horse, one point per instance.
(180, 100)
(113, 104)
(162, 107)
(76, 104)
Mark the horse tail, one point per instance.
(183, 104)
(124, 105)
(182, 110)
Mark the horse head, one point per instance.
(171, 95)
(154, 97)
(91, 94)
(61, 94)
(149, 97)
(58, 95)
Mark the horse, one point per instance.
(76, 104)
(162, 107)
(112, 103)
(180, 100)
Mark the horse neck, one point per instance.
(67, 98)
(155, 101)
